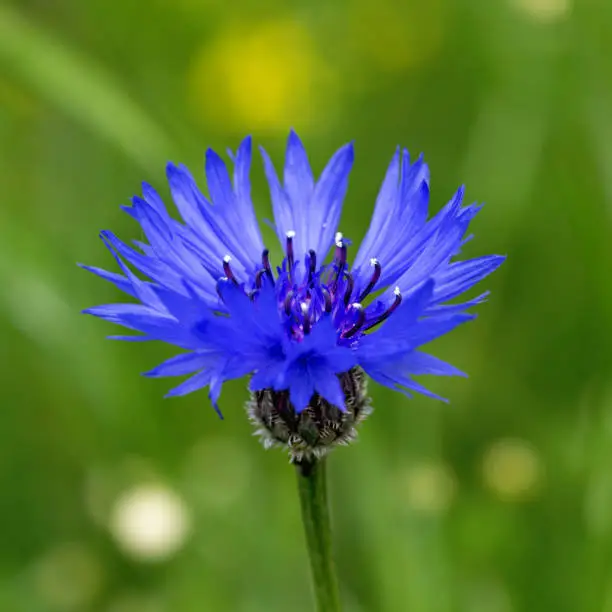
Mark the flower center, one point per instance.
(306, 293)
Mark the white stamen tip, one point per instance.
(304, 307)
(397, 291)
(227, 259)
(356, 306)
(338, 239)
(374, 261)
(290, 234)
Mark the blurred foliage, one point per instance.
(115, 500)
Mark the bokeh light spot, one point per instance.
(259, 77)
(68, 577)
(544, 11)
(427, 487)
(150, 522)
(512, 469)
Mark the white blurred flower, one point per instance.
(150, 522)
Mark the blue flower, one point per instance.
(212, 290)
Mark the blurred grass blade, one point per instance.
(80, 88)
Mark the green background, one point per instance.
(113, 499)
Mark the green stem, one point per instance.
(315, 515)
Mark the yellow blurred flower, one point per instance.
(260, 78)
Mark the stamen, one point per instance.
(328, 300)
(373, 280)
(305, 317)
(288, 303)
(258, 276)
(340, 249)
(312, 265)
(385, 315)
(290, 255)
(358, 323)
(228, 270)
(350, 283)
(265, 260)
(340, 258)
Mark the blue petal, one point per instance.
(328, 387)
(153, 199)
(299, 187)
(312, 211)
(268, 377)
(185, 194)
(414, 176)
(146, 320)
(131, 338)
(401, 382)
(328, 198)
(300, 385)
(167, 246)
(395, 334)
(446, 309)
(206, 230)
(390, 349)
(186, 363)
(418, 363)
(460, 276)
(118, 280)
(431, 328)
(283, 215)
(199, 381)
(142, 290)
(400, 213)
(153, 268)
(383, 217)
(233, 210)
(432, 249)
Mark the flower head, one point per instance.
(303, 330)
